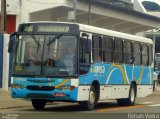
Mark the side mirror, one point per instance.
(12, 42)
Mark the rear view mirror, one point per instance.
(12, 42)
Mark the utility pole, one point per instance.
(89, 12)
(3, 16)
(75, 10)
(20, 11)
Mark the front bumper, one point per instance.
(55, 95)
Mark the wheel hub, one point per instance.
(92, 97)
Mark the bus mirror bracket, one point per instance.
(12, 39)
(85, 35)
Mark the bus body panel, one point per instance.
(114, 83)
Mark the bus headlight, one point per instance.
(17, 86)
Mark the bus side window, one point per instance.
(128, 59)
(85, 57)
(97, 48)
(118, 53)
(137, 54)
(144, 54)
(150, 55)
(107, 45)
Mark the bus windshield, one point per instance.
(46, 55)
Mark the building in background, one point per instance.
(12, 10)
(151, 7)
(122, 3)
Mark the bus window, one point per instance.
(96, 48)
(107, 49)
(85, 55)
(128, 52)
(144, 55)
(137, 54)
(118, 54)
(150, 55)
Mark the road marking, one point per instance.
(145, 103)
(120, 108)
(155, 105)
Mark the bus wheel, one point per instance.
(131, 99)
(38, 104)
(132, 96)
(90, 104)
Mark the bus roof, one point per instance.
(102, 31)
(112, 33)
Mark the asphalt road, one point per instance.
(147, 108)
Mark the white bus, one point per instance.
(102, 65)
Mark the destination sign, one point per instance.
(53, 28)
(46, 28)
(27, 28)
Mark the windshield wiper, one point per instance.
(36, 41)
(53, 40)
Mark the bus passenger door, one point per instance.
(99, 68)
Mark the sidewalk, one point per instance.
(7, 102)
(156, 93)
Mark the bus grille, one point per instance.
(39, 96)
(40, 81)
(41, 88)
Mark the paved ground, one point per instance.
(23, 108)
(6, 102)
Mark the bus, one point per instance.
(100, 64)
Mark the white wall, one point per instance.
(5, 76)
(29, 6)
(12, 6)
(138, 6)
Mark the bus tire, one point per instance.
(132, 95)
(38, 104)
(90, 104)
(131, 99)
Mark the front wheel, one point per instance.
(38, 104)
(90, 104)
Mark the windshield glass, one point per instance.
(28, 55)
(46, 55)
(60, 55)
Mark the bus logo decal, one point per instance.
(99, 69)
